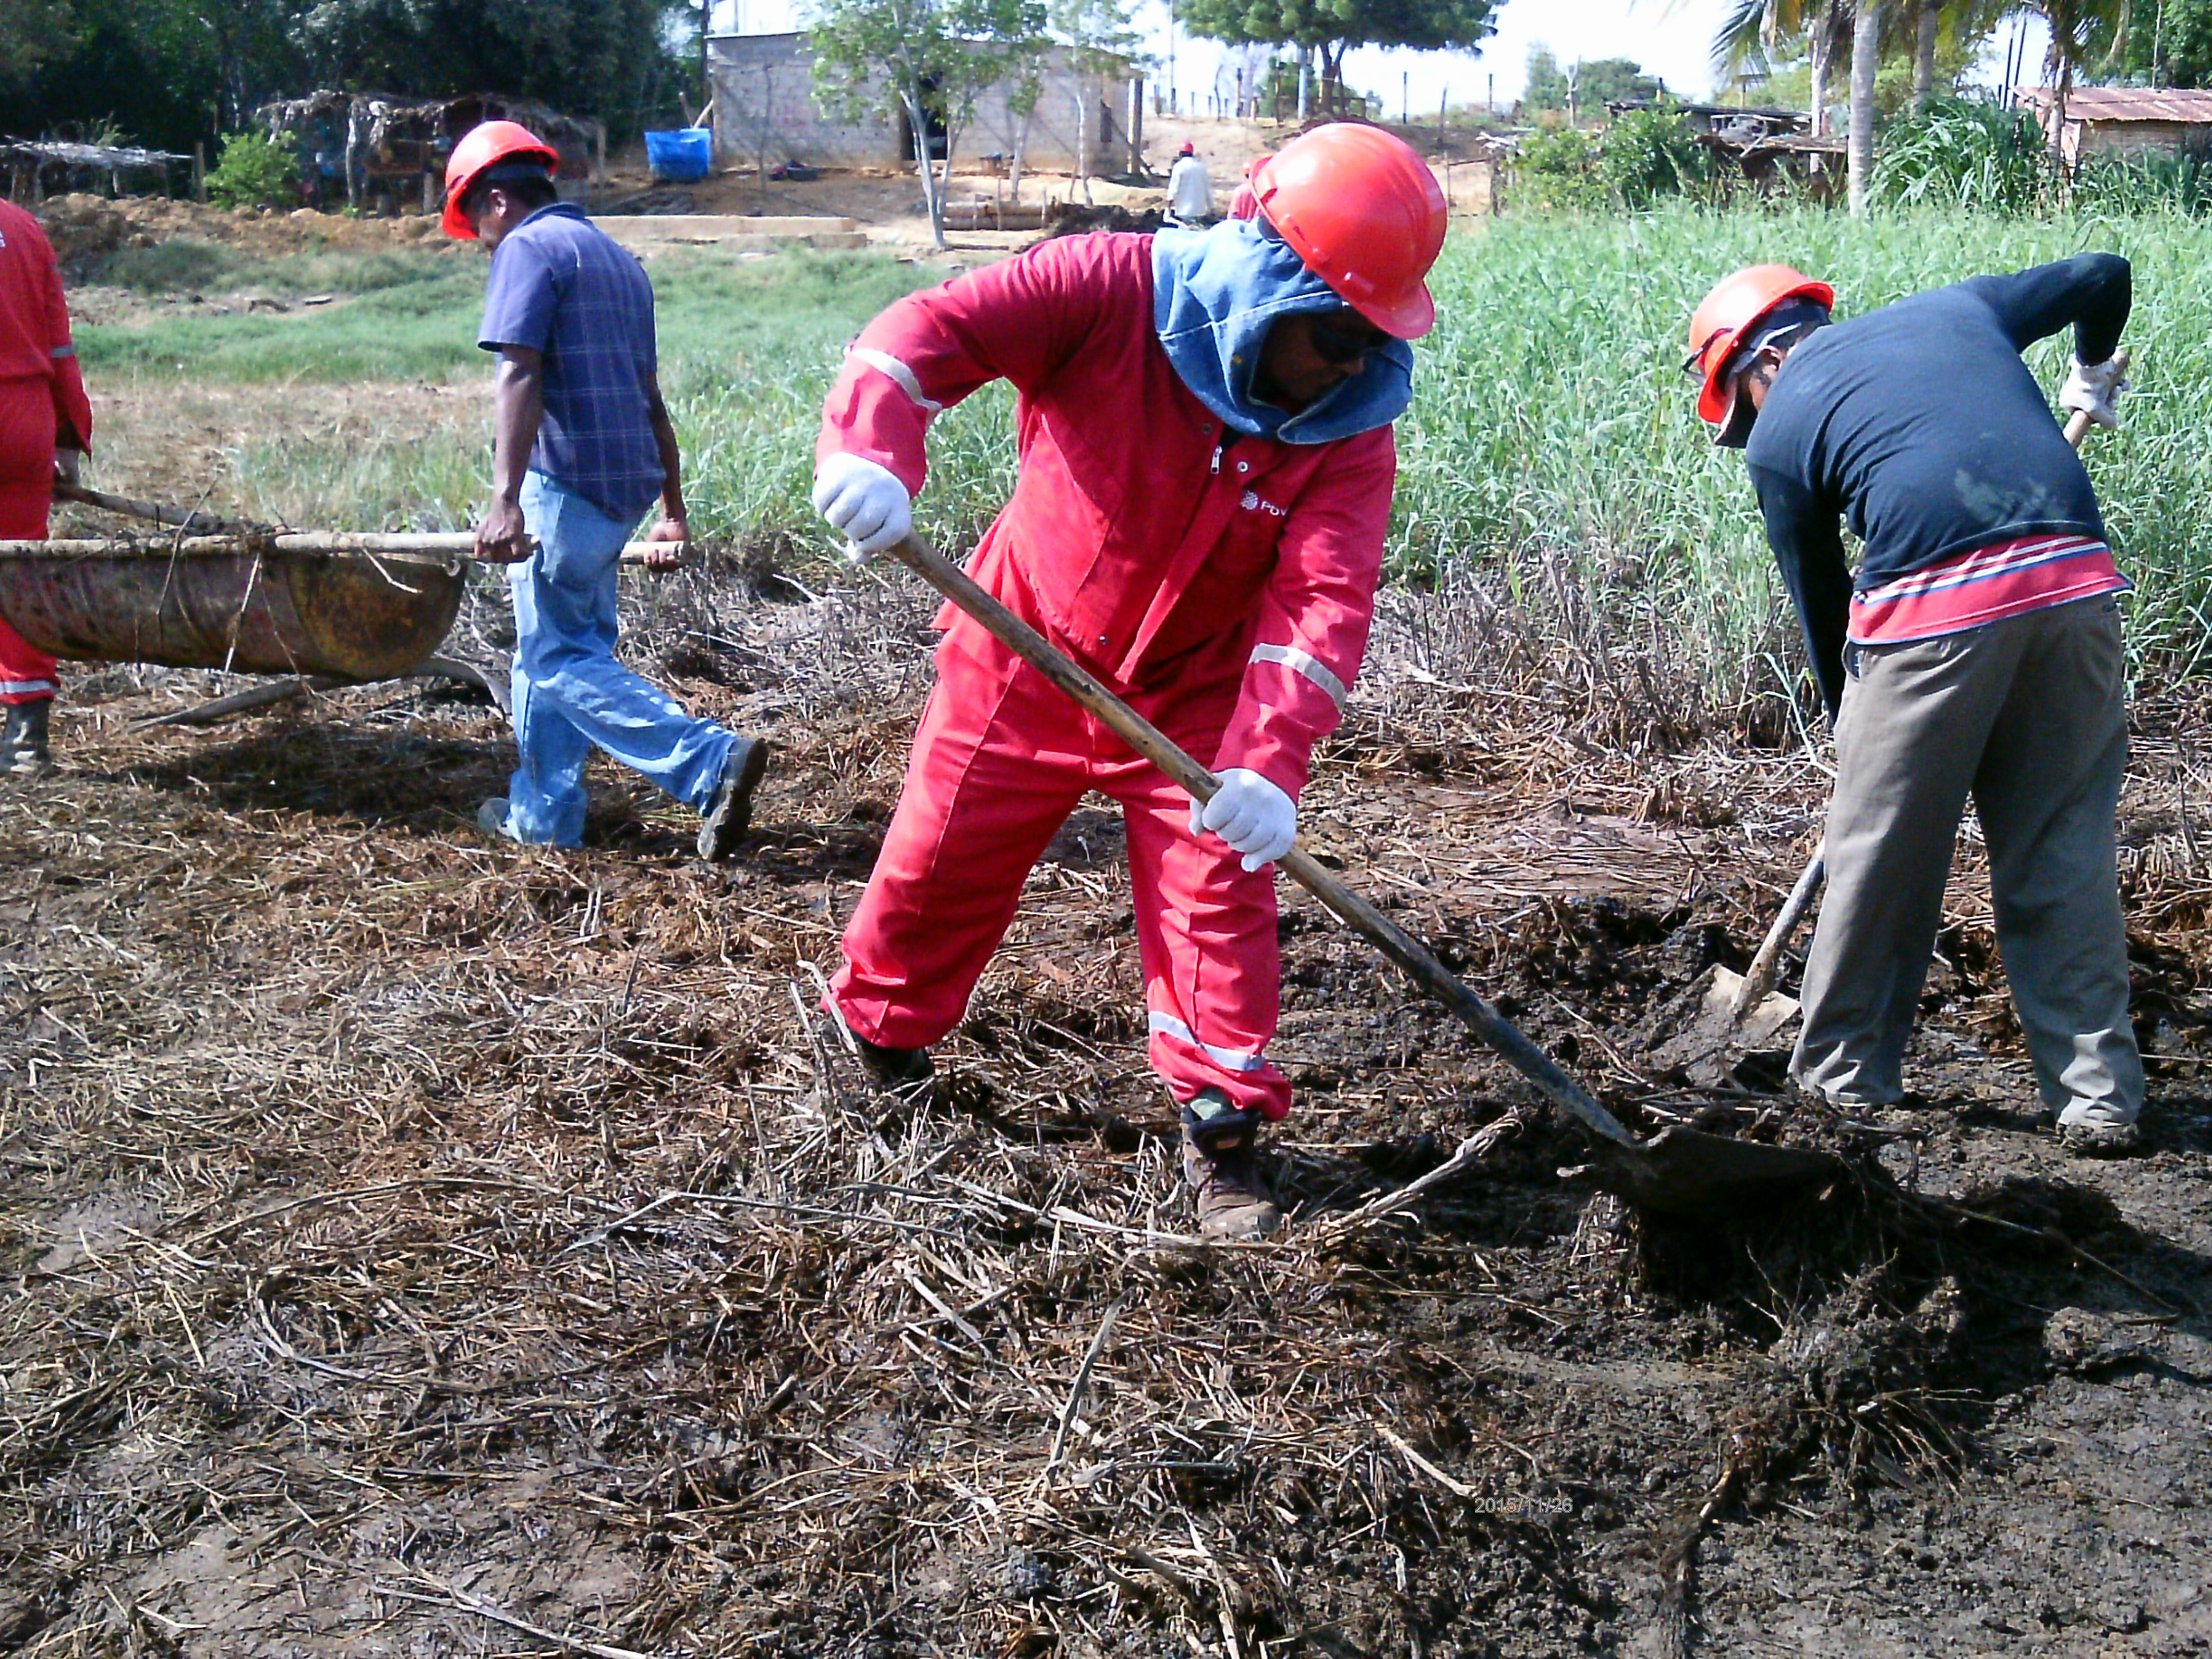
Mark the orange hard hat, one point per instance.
(1731, 311)
(1366, 216)
(481, 148)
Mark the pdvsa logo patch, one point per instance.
(1253, 502)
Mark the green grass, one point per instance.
(1553, 450)
(1554, 432)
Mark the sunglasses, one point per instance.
(1342, 337)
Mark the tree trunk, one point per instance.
(917, 115)
(1866, 58)
(1083, 135)
(1923, 55)
(1021, 151)
(1821, 45)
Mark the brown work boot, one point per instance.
(1221, 1146)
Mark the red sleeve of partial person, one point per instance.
(1314, 615)
(72, 407)
(1018, 320)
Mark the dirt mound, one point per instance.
(1070, 220)
(85, 229)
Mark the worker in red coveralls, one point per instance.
(1207, 464)
(45, 427)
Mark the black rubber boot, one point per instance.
(907, 1072)
(23, 743)
(723, 824)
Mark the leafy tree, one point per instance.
(1586, 87)
(1098, 42)
(606, 58)
(31, 32)
(1331, 27)
(2169, 43)
(926, 60)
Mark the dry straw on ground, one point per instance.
(423, 1245)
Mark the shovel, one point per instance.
(1677, 1171)
(1744, 1012)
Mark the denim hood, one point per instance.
(1215, 294)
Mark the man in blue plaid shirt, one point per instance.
(583, 445)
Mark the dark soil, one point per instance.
(410, 1234)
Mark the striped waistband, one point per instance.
(1985, 585)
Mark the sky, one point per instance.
(1671, 39)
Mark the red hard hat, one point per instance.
(1366, 216)
(1189, 148)
(1730, 311)
(484, 146)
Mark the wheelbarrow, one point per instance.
(327, 607)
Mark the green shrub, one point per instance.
(254, 172)
(1964, 153)
(1650, 153)
(1559, 171)
(2146, 182)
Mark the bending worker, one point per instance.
(1207, 464)
(45, 426)
(1977, 649)
(583, 445)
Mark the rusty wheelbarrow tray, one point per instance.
(355, 607)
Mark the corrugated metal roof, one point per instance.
(2127, 104)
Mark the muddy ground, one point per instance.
(419, 1246)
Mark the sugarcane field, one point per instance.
(769, 924)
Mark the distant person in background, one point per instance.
(1190, 192)
(45, 427)
(583, 445)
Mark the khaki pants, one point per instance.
(2028, 713)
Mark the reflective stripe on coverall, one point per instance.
(40, 389)
(1223, 588)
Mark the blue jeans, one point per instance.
(570, 693)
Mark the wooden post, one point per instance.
(199, 172)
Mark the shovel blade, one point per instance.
(1684, 1171)
(1702, 1048)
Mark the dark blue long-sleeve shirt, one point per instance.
(1920, 425)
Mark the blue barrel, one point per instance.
(685, 153)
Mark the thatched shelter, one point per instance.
(367, 143)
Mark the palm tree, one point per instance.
(1866, 60)
(1762, 28)
(1924, 53)
(2081, 31)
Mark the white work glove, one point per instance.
(68, 465)
(863, 500)
(1251, 814)
(2093, 389)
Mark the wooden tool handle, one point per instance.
(440, 546)
(1355, 912)
(2077, 423)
